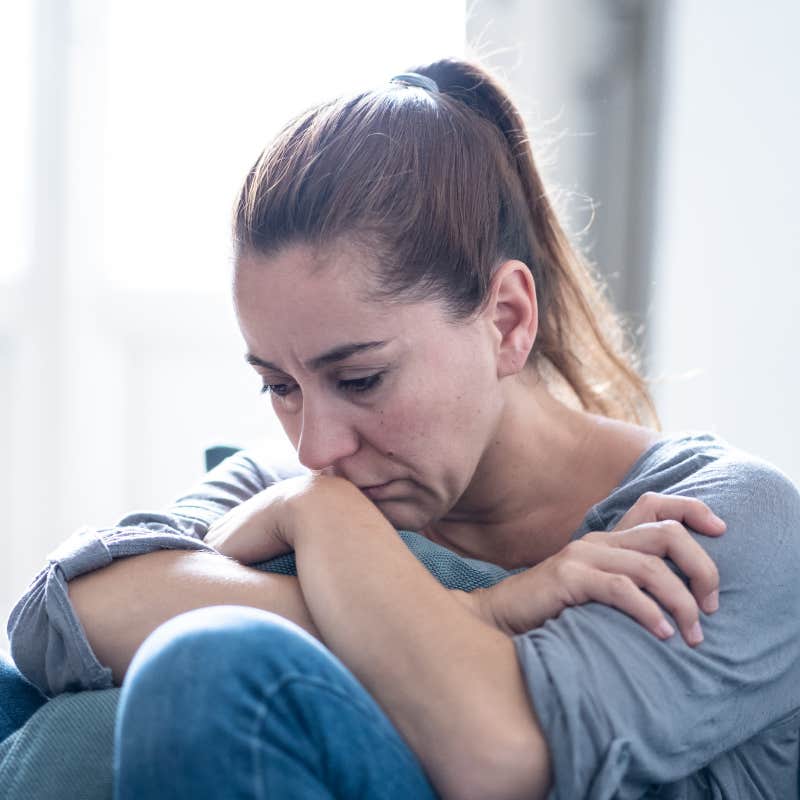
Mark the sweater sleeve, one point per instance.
(621, 710)
(48, 643)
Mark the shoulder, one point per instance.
(705, 466)
(760, 505)
(744, 482)
(758, 502)
(661, 708)
(730, 480)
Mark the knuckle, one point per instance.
(673, 528)
(573, 549)
(652, 567)
(700, 565)
(707, 570)
(710, 585)
(649, 501)
(685, 608)
(620, 585)
(564, 570)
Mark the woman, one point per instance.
(445, 366)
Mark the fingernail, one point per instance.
(711, 603)
(695, 634)
(664, 629)
(720, 520)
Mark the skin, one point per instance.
(486, 461)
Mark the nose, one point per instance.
(326, 437)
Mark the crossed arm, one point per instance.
(448, 680)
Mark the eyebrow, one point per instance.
(330, 357)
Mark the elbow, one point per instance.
(27, 631)
(45, 640)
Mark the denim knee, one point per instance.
(240, 702)
(200, 668)
(216, 642)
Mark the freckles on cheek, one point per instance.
(402, 431)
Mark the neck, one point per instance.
(545, 466)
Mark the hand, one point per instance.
(610, 566)
(262, 527)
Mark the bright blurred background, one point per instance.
(666, 130)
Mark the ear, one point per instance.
(514, 315)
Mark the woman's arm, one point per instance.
(450, 682)
(623, 711)
(47, 638)
(120, 605)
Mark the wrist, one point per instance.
(490, 604)
(479, 603)
(322, 501)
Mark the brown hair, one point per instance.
(438, 189)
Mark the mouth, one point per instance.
(376, 492)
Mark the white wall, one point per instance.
(726, 293)
(113, 376)
(129, 130)
(587, 78)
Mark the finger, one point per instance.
(653, 507)
(651, 573)
(670, 539)
(696, 514)
(622, 593)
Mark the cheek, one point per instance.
(417, 427)
(392, 429)
(427, 429)
(291, 423)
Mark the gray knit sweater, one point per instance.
(625, 715)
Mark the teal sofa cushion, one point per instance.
(63, 751)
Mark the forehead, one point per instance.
(314, 301)
(301, 273)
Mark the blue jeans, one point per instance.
(232, 701)
(18, 697)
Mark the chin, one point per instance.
(408, 521)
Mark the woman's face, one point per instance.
(416, 411)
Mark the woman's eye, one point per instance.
(362, 384)
(275, 388)
(358, 385)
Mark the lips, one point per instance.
(378, 492)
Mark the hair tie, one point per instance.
(415, 79)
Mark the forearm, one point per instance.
(450, 682)
(121, 604)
